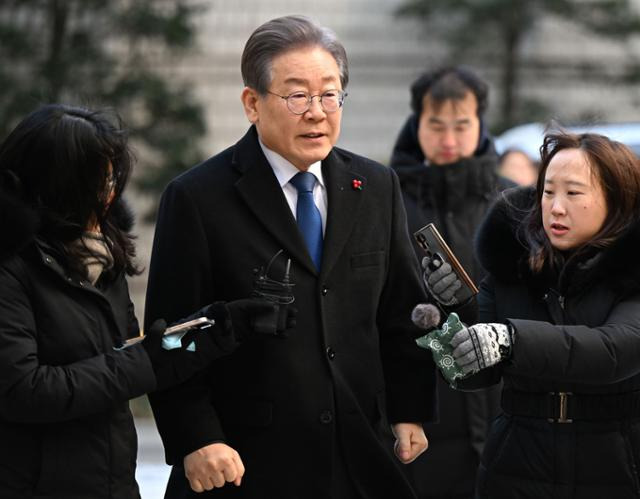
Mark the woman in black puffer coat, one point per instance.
(560, 325)
(66, 431)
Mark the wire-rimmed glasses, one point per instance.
(300, 102)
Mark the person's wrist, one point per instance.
(511, 333)
(219, 312)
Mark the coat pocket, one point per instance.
(370, 259)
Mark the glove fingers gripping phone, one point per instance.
(438, 252)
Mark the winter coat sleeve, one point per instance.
(409, 371)
(576, 353)
(31, 392)
(180, 283)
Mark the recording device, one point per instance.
(278, 292)
(199, 323)
(438, 253)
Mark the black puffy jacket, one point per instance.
(577, 332)
(66, 431)
(455, 198)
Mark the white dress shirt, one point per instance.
(285, 171)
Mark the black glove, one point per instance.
(441, 281)
(179, 364)
(252, 317)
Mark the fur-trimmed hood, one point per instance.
(502, 251)
(19, 222)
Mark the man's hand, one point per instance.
(212, 466)
(410, 441)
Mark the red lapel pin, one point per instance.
(356, 184)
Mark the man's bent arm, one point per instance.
(179, 283)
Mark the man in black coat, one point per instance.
(304, 413)
(446, 164)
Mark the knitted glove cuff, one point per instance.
(492, 343)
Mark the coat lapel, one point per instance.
(344, 201)
(262, 193)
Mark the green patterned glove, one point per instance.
(438, 342)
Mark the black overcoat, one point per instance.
(66, 431)
(350, 364)
(576, 331)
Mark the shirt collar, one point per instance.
(284, 169)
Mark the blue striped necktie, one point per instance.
(308, 215)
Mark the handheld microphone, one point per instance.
(425, 315)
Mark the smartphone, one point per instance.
(430, 240)
(199, 323)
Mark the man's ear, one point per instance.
(249, 99)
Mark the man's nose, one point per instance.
(315, 110)
(449, 138)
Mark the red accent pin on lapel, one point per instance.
(356, 184)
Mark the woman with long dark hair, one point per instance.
(65, 313)
(560, 325)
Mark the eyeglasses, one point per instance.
(300, 102)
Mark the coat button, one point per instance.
(325, 290)
(326, 417)
(331, 353)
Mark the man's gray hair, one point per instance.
(281, 35)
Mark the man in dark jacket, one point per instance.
(305, 414)
(446, 163)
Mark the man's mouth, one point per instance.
(313, 135)
(448, 155)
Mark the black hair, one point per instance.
(449, 83)
(281, 35)
(64, 162)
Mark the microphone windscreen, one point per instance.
(425, 315)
